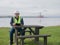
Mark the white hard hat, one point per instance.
(16, 11)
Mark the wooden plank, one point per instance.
(33, 26)
(33, 36)
(16, 39)
(32, 31)
(30, 26)
(45, 40)
(36, 33)
(22, 41)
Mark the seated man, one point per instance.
(16, 21)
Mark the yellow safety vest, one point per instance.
(17, 21)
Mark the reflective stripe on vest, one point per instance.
(17, 21)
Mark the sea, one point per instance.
(5, 22)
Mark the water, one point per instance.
(5, 22)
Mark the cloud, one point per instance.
(52, 6)
(31, 3)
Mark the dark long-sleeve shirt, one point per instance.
(12, 21)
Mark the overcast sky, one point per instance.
(46, 7)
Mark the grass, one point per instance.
(53, 40)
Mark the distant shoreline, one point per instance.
(31, 17)
(44, 26)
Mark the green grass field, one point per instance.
(53, 40)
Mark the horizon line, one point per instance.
(30, 17)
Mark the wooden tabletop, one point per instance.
(30, 26)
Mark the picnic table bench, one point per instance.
(34, 31)
(34, 36)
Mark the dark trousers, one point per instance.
(22, 32)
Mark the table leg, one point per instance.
(31, 30)
(37, 33)
(22, 41)
(16, 39)
(45, 40)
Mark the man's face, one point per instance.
(16, 14)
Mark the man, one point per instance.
(16, 21)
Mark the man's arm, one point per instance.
(11, 22)
(22, 22)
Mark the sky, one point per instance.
(30, 7)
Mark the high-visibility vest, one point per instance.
(17, 21)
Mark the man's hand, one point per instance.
(13, 24)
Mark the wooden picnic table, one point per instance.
(35, 32)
